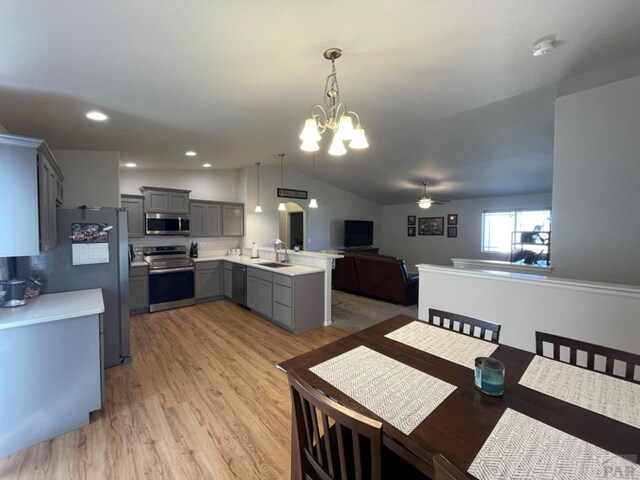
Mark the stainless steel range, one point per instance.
(171, 277)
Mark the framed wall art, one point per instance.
(452, 232)
(431, 226)
(411, 220)
(452, 219)
(411, 231)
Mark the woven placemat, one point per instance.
(522, 447)
(609, 396)
(443, 343)
(397, 393)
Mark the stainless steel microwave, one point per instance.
(166, 224)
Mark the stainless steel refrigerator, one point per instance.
(59, 274)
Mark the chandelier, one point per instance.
(333, 116)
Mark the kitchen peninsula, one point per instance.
(50, 367)
(299, 289)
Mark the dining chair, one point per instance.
(445, 470)
(336, 443)
(457, 323)
(630, 361)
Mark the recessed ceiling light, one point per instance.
(130, 165)
(97, 116)
(206, 165)
(191, 153)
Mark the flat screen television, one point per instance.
(358, 233)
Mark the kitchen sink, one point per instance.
(275, 265)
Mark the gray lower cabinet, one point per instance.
(259, 291)
(293, 302)
(135, 208)
(208, 280)
(233, 220)
(228, 280)
(206, 219)
(139, 289)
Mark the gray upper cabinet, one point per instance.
(233, 220)
(165, 200)
(47, 185)
(135, 208)
(206, 219)
(30, 190)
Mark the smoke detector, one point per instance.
(543, 46)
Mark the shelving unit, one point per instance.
(537, 242)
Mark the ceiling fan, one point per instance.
(426, 202)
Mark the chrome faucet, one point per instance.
(286, 253)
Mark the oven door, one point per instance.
(171, 288)
(167, 224)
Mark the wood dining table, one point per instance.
(460, 425)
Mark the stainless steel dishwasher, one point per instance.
(239, 284)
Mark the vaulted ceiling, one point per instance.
(447, 90)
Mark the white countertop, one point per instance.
(292, 270)
(139, 263)
(53, 306)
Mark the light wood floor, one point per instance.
(202, 399)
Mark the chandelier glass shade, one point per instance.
(333, 115)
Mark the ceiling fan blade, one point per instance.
(440, 202)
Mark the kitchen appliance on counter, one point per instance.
(167, 224)
(13, 292)
(193, 251)
(171, 277)
(59, 274)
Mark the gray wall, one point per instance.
(596, 184)
(324, 225)
(204, 184)
(439, 250)
(2, 129)
(90, 178)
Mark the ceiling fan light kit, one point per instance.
(425, 202)
(334, 116)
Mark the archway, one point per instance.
(293, 225)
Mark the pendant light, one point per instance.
(313, 203)
(258, 207)
(281, 207)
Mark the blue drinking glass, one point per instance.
(489, 375)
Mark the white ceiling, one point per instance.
(447, 90)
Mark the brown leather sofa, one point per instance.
(374, 275)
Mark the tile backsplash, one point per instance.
(206, 245)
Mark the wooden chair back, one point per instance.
(334, 442)
(445, 470)
(457, 323)
(630, 361)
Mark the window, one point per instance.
(497, 227)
